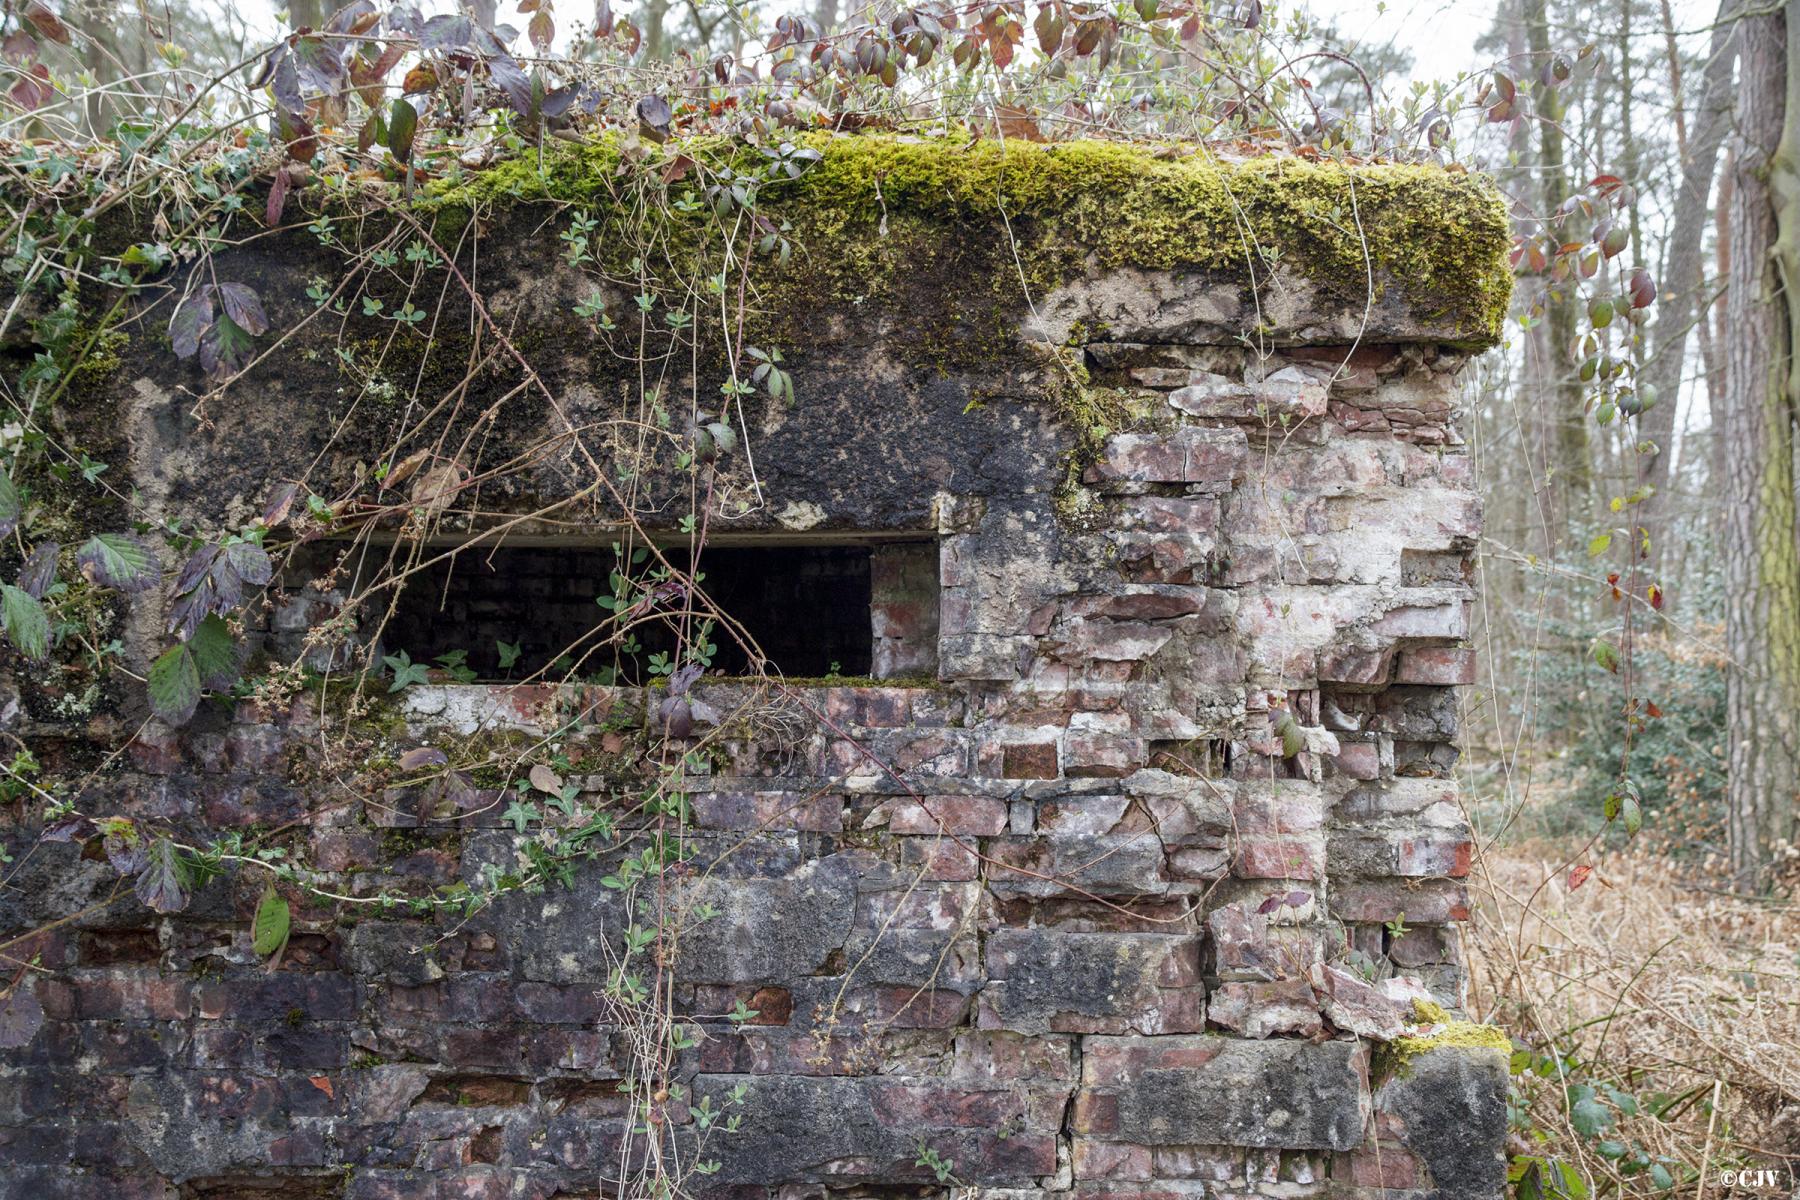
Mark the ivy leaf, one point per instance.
(27, 626)
(118, 560)
(163, 883)
(11, 509)
(406, 671)
(269, 930)
(521, 814)
(21, 1016)
(509, 654)
(175, 685)
(38, 575)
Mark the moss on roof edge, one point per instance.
(1438, 237)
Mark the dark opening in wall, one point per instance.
(813, 609)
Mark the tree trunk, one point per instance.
(1569, 468)
(310, 14)
(1762, 573)
(1679, 306)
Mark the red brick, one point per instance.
(1110, 1160)
(1378, 1167)
(1029, 760)
(975, 816)
(1443, 666)
(1434, 856)
(1380, 901)
(1280, 858)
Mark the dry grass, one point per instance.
(1668, 991)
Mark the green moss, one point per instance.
(1392, 1059)
(876, 209)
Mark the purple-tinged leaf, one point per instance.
(192, 607)
(654, 114)
(352, 18)
(421, 757)
(38, 575)
(69, 829)
(119, 560)
(225, 348)
(677, 716)
(45, 20)
(241, 305)
(191, 320)
(280, 503)
(295, 132)
(278, 194)
(559, 100)
(19, 47)
(196, 568)
(124, 848)
(250, 561)
(320, 66)
(510, 79)
(163, 883)
(446, 31)
(284, 83)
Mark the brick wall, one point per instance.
(1092, 935)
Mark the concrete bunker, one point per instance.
(973, 903)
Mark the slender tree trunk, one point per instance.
(1570, 471)
(652, 17)
(1762, 593)
(1679, 306)
(310, 13)
(1713, 344)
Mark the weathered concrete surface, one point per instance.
(1189, 745)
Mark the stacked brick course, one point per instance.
(1110, 907)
